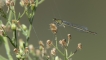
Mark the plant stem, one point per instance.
(56, 40)
(22, 14)
(7, 48)
(58, 50)
(66, 54)
(41, 1)
(72, 54)
(15, 37)
(9, 18)
(11, 41)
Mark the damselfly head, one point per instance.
(54, 19)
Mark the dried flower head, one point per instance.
(69, 36)
(21, 44)
(24, 2)
(48, 57)
(41, 43)
(79, 46)
(1, 32)
(49, 43)
(63, 42)
(31, 1)
(26, 50)
(3, 26)
(16, 50)
(38, 52)
(14, 21)
(31, 47)
(53, 28)
(53, 51)
(10, 3)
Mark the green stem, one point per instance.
(7, 48)
(72, 54)
(15, 37)
(14, 13)
(58, 50)
(9, 18)
(30, 27)
(57, 45)
(56, 40)
(37, 3)
(11, 41)
(66, 54)
(68, 42)
(4, 32)
(41, 1)
(22, 14)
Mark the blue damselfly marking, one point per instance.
(63, 23)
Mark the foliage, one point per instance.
(24, 51)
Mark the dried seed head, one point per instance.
(79, 46)
(41, 43)
(69, 36)
(38, 52)
(19, 24)
(31, 47)
(53, 51)
(26, 50)
(3, 26)
(49, 43)
(14, 21)
(31, 1)
(8, 2)
(24, 2)
(48, 57)
(21, 44)
(16, 50)
(12, 3)
(63, 42)
(53, 28)
(1, 32)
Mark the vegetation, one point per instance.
(22, 49)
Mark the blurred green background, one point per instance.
(89, 13)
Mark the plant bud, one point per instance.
(18, 56)
(79, 46)
(13, 26)
(24, 27)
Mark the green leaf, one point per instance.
(2, 58)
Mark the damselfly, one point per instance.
(63, 23)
